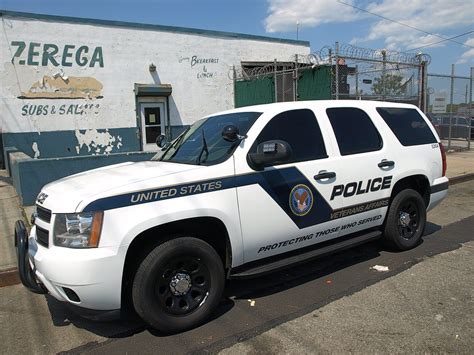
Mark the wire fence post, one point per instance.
(275, 79)
(357, 81)
(469, 102)
(420, 79)
(295, 93)
(337, 71)
(424, 86)
(384, 72)
(234, 79)
(451, 107)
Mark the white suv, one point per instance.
(238, 194)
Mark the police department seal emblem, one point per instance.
(301, 200)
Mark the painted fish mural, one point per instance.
(63, 87)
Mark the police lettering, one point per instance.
(361, 187)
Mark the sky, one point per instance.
(321, 22)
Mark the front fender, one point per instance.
(121, 226)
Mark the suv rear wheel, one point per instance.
(406, 220)
(178, 285)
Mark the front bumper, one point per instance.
(86, 278)
(27, 276)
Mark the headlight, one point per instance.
(78, 230)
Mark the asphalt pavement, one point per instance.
(344, 287)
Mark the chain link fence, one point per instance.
(338, 72)
(279, 81)
(377, 74)
(450, 107)
(344, 72)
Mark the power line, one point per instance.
(402, 24)
(443, 40)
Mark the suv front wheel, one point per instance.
(406, 220)
(178, 284)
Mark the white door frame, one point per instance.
(159, 103)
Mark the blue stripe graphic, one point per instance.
(278, 183)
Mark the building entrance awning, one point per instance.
(153, 90)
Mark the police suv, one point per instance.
(238, 194)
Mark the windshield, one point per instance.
(202, 143)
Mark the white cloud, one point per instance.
(467, 56)
(440, 17)
(284, 14)
(435, 16)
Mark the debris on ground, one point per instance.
(380, 268)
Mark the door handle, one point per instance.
(386, 163)
(325, 175)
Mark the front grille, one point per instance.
(42, 236)
(43, 213)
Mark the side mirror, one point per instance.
(230, 133)
(162, 141)
(270, 153)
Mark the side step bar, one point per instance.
(252, 269)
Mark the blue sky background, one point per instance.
(322, 22)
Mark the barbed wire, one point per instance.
(327, 55)
(359, 53)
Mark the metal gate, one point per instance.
(339, 72)
(293, 80)
(450, 107)
(377, 74)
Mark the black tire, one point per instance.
(178, 284)
(406, 220)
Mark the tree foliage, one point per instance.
(393, 85)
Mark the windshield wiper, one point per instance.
(174, 144)
(203, 149)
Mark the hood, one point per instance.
(64, 195)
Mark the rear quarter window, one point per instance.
(408, 125)
(354, 130)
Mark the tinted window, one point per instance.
(202, 143)
(300, 129)
(462, 121)
(446, 120)
(354, 130)
(408, 125)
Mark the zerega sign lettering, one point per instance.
(33, 53)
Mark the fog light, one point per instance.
(71, 295)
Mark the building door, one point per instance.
(153, 122)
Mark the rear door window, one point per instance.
(354, 130)
(408, 125)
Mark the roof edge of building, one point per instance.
(145, 26)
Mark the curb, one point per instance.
(461, 178)
(10, 277)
